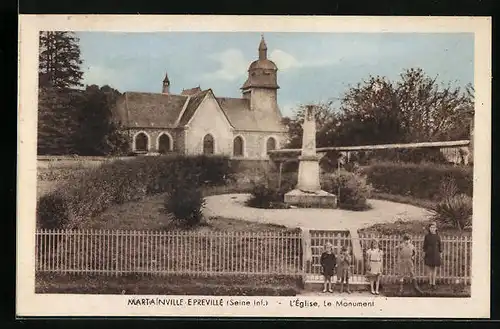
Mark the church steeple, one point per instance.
(166, 85)
(262, 48)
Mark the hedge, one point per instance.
(96, 189)
(422, 181)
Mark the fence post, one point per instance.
(306, 252)
(357, 251)
(116, 253)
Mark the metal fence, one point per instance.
(121, 252)
(455, 257)
(217, 253)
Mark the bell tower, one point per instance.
(166, 85)
(261, 86)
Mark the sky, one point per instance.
(312, 67)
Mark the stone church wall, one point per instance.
(255, 143)
(209, 119)
(154, 134)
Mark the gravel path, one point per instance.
(233, 206)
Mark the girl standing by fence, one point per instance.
(432, 250)
(328, 262)
(374, 259)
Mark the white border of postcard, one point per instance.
(30, 304)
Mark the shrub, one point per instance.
(186, 204)
(351, 189)
(455, 211)
(52, 211)
(96, 189)
(264, 196)
(421, 181)
(269, 194)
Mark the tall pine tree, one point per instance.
(59, 73)
(59, 60)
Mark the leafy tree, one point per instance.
(325, 118)
(98, 133)
(414, 109)
(59, 60)
(57, 123)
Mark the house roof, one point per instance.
(165, 110)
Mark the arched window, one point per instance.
(270, 144)
(164, 144)
(141, 142)
(208, 144)
(238, 146)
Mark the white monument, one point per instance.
(308, 192)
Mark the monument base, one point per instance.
(318, 199)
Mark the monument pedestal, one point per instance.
(317, 199)
(308, 193)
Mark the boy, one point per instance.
(406, 255)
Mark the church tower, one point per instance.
(261, 86)
(166, 85)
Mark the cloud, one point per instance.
(288, 109)
(99, 75)
(286, 61)
(233, 65)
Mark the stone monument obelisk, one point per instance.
(308, 192)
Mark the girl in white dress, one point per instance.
(374, 259)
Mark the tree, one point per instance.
(325, 118)
(57, 123)
(414, 109)
(98, 134)
(59, 60)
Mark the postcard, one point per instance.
(254, 166)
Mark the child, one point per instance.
(406, 256)
(343, 268)
(328, 262)
(432, 250)
(374, 258)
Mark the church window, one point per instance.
(141, 142)
(238, 146)
(208, 144)
(164, 144)
(271, 144)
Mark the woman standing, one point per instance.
(432, 250)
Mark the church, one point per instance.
(199, 122)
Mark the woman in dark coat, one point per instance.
(432, 251)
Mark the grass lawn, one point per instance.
(148, 214)
(168, 285)
(427, 204)
(411, 227)
(445, 290)
(45, 186)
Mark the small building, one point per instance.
(199, 122)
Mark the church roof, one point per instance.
(194, 103)
(243, 118)
(152, 109)
(191, 91)
(265, 64)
